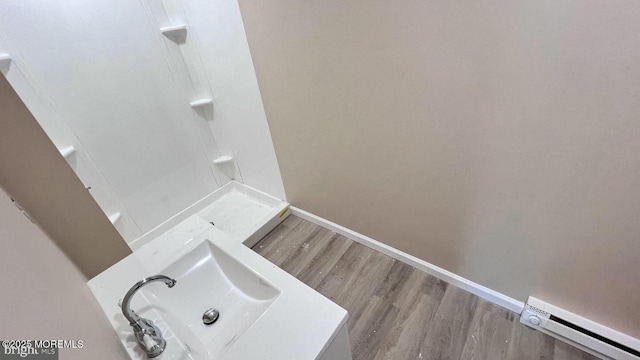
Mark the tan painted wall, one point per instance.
(497, 139)
(37, 176)
(44, 296)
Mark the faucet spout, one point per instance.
(144, 329)
(126, 309)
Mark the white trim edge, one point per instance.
(442, 274)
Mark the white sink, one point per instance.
(208, 277)
(265, 313)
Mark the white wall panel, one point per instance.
(40, 105)
(104, 68)
(216, 27)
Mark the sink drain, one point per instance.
(210, 316)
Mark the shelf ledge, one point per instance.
(223, 160)
(5, 62)
(177, 34)
(115, 217)
(67, 151)
(201, 103)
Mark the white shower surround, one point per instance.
(145, 153)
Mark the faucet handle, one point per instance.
(149, 343)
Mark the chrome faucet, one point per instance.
(148, 335)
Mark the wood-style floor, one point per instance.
(399, 312)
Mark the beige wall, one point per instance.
(44, 296)
(497, 139)
(39, 179)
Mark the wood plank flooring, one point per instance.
(399, 312)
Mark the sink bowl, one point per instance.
(208, 277)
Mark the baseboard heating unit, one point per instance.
(582, 333)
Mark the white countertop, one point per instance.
(298, 325)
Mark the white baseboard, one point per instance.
(465, 284)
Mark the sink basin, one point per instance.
(264, 313)
(208, 277)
